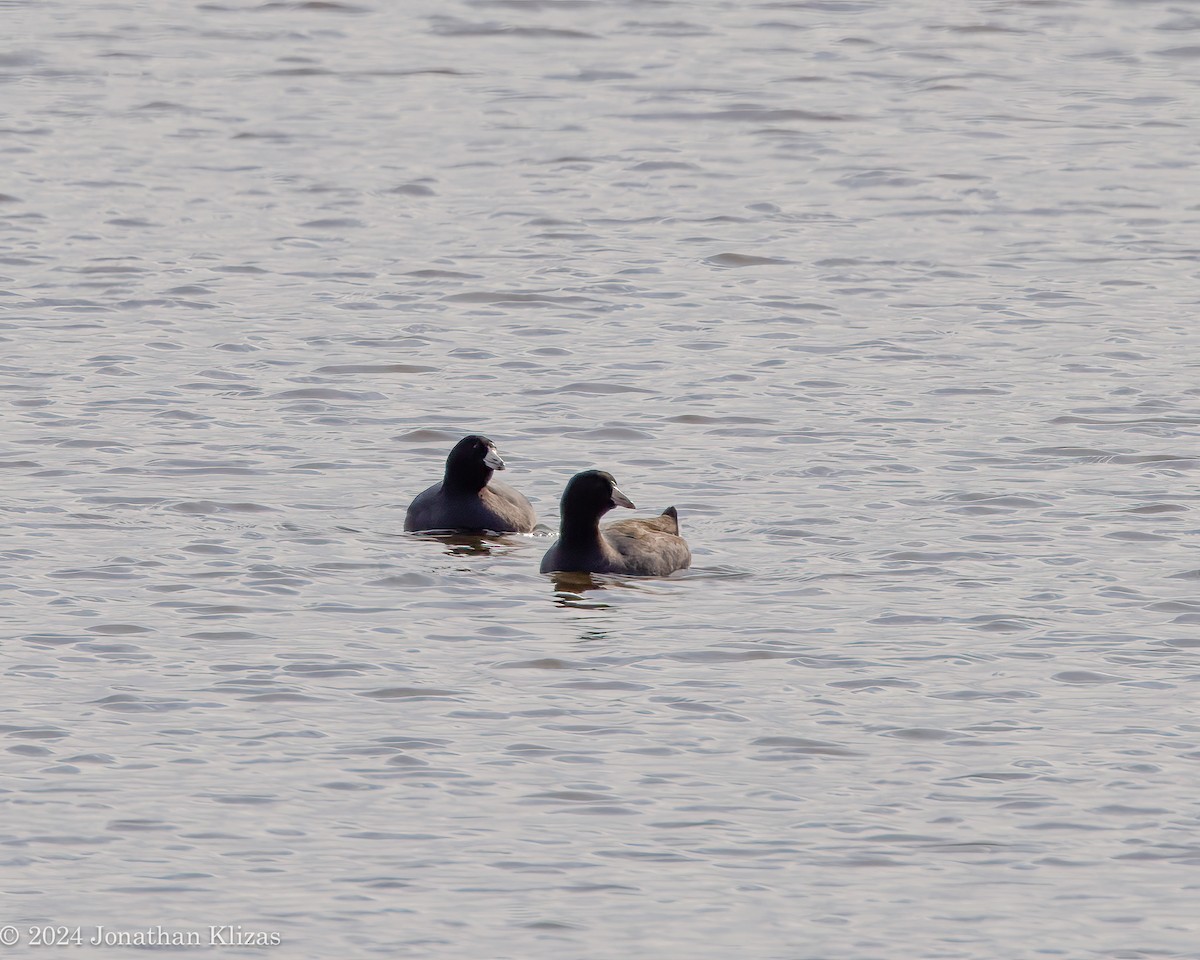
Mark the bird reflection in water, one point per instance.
(570, 590)
(575, 582)
(469, 544)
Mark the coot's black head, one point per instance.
(589, 496)
(471, 463)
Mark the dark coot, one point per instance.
(468, 498)
(640, 548)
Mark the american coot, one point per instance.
(467, 498)
(641, 548)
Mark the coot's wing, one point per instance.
(651, 547)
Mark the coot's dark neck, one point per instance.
(579, 529)
(466, 478)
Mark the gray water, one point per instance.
(896, 302)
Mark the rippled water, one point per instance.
(896, 302)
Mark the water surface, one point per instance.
(896, 304)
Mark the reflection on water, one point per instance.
(570, 585)
(467, 544)
(893, 302)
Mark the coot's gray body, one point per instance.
(639, 548)
(468, 498)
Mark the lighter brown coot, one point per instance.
(468, 498)
(640, 548)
